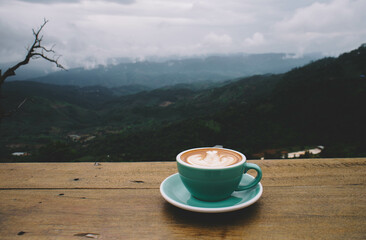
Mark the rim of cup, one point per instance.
(243, 158)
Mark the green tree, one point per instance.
(57, 152)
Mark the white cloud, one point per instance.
(90, 32)
(256, 40)
(214, 39)
(319, 17)
(331, 25)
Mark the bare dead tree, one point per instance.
(35, 51)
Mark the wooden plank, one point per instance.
(84, 175)
(302, 199)
(302, 212)
(299, 172)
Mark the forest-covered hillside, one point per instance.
(321, 103)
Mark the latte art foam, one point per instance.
(211, 157)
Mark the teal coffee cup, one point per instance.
(214, 173)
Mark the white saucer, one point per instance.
(174, 192)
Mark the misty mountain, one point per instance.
(34, 69)
(321, 103)
(89, 96)
(171, 72)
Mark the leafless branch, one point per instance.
(37, 50)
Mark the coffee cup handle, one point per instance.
(255, 181)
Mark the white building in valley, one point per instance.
(312, 151)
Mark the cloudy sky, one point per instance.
(90, 32)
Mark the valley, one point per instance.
(321, 103)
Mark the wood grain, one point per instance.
(302, 199)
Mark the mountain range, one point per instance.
(156, 74)
(320, 103)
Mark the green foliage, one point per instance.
(57, 152)
(321, 103)
(212, 125)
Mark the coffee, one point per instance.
(211, 157)
(214, 173)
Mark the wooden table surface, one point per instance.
(302, 199)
